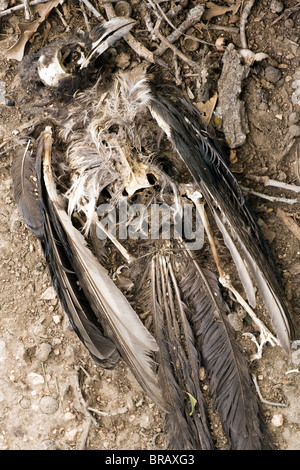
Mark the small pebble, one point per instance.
(43, 351)
(3, 5)
(294, 269)
(277, 420)
(49, 294)
(40, 331)
(294, 118)
(276, 6)
(123, 9)
(47, 444)
(294, 130)
(35, 379)
(145, 421)
(202, 373)
(295, 357)
(57, 319)
(48, 405)
(272, 74)
(235, 321)
(72, 434)
(69, 416)
(9, 102)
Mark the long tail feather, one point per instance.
(179, 362)
(223, 358)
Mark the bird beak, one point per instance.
(107, 35)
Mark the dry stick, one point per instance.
(87, 24)
(271, 198)
(135, 45)
(62, 19)
(267, 402)
(278, 184)
(286, 13)
(93, 10)
(219, 27)
(180, 54)
(108, 413)
(193, 16)
(20, 7)
(243, 22)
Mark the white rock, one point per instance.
(48, 405)
(35, 379)
(3, 352)
(49, 294)
(43, 351)
(277, 420)
(72, 434)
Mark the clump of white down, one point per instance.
(94, 150)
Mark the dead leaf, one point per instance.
(217, 10)
(28, 29)
(207, 108)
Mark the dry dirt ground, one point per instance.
(46, 377)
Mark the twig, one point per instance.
(269, 182)
(271, 198)
(108, 413)
(87, 24)
(286, 13)
(84, 435)
(284, 405)
(45, 377)
(180, 54)
(219, 27)
(62, 19)
(135, 45)
(243, 22)
(20, 7)
(193, 17)
(93, 10)
(28, 14)
(292, 371)
(290, 223)
(82, 401)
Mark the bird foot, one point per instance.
(265, 335)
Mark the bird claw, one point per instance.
(265, 335)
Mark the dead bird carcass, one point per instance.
(124, 170)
